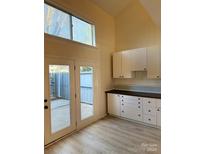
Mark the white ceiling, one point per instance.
(113, 7)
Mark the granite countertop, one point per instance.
(135, 93)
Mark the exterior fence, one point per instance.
(60, 86)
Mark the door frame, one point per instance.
(78, 123)
(48, 135)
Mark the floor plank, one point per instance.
(110, 136)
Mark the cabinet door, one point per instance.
(126, 64)
(114, 105)
(138, 59)
(117, 65)
(158, 104)
(153, 62)
(150, 119)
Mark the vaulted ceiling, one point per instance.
(113, 7)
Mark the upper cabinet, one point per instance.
(141, 59)
(153, 62)
(138, 59)
(122, 65)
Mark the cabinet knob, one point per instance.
(122, 104)
(138, 106)
(122, 111)
(138, 102)
(158, 109)
(138, 98)
(149, 102)
(149, 119)
(149, 110)
(157, 76)
(139, 115)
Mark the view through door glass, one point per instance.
(86, 91)
(59, 82)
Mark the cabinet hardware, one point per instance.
(45, 107)
(139, 107)
(149, 119)
(149, 110)
(149, 102)
(139, 115)
(138, 98)
(122, 104)
(138, 102)
(45, 100)
(157, 76)
(122, 111)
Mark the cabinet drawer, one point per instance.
(132, 98)
(149, 102)
(150, 119)
(149, 110)
(131, 113)
(132, 105)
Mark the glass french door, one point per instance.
(70, 97)
(59, 102)
(86, 99)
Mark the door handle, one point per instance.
(45, 100)
(45, 107)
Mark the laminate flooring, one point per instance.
(110, 136)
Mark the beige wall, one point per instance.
(135, 29)
(105, 43)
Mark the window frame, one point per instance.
(93, 32)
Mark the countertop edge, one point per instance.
(135, 93)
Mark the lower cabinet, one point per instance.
(114, 106)
(147, 110)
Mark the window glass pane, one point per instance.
(86, 91)
(56, 22)
(82, 31)
(59, 80)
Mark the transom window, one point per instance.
(67, 26)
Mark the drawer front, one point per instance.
(131, 113)
(150, 119)
(149, 110)
(131, 98)
(149, 102)
(132, 105)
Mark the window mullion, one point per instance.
(71, 28)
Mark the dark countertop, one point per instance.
(134, 93)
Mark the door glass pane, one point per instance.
(86, 91)
(82, 31)
(56, 22)
(59, 80)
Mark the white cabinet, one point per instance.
(141, 109)
(149, 111)
(122, 65)
(131, 107)
(114, 106)
(153, 62)
(138, 59)
(158, 108)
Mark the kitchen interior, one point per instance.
(125, 60)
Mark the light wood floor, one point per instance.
(110, 136)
